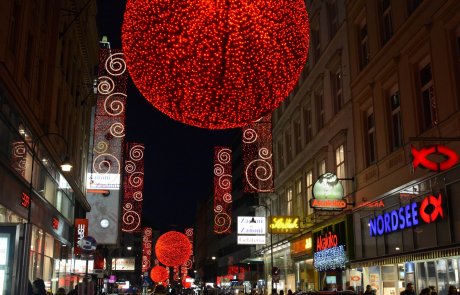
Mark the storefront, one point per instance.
(332, 250)
(412, 236)
(302, 256)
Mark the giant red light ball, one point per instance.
(173, 248)
(159, 274)
(215, 63)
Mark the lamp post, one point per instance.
(27, 233)
(268, 211)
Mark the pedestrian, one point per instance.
(409, 290)
(452, 290)
(74, 291)
(60, 291)
(369, 290)
(425, 291)
(39, 287)
(289, 292)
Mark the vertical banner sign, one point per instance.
(257, 156)
(18, 157)
(81, 231)
(189, 234)
(109, 121)
(146, 248)
(133, 187)
(222, 190)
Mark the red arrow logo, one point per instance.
(420, 157)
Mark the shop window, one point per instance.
(453, 272)
(441, 270)
(371, 153)
(431, 273)
(427, 100)
(394, 104)
(421, 277)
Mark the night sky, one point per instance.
(178, 157)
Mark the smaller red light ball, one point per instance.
(159, 274)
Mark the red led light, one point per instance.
(159, 274)
(215, 64)
(55, 223)
(420, 157)
(173, 248)
(25, 200)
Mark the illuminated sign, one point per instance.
(25, 200)
(107, 181)
(308, 243)
(302, 245)
(373, 204)
(251, 240)
(407, 216)
(126, 264)
(55, 223)
(251, 225)
(284, 224)
(420, 157)
(81, 231)
(328, 193)
(332, 258)
(327, 241)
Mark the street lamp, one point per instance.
(66, 166)
(268, 211)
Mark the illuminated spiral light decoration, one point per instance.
(222, 190)
(146, 248)
(133, 187)
(215, 64)
(257, 156)
(189, 234)
(173, 248)
(159, 274)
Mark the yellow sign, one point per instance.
(308, 243)
(284, 224)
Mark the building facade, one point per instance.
(404, 58)
(46, 73)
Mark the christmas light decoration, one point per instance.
(173, 248)
(109, 121)
(146, 248)
(222, 190)
(186, 284)
(18, 157)
(133, 187)
(257, 156)
(215, 64)
(159, 274)
(329, 259)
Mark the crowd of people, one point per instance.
(38, 288)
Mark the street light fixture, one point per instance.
(268, 211)
(66, 166)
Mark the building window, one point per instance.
(340, 165)
(363, 44)
(336, 81)
(427, 99)
(309, 186)
(387, 25)
(297, 137)
(307, 122)
(315, 38)
(321, 167)
(370, 137)
(333, 18)
(288, 145)
(289, 202)
(412, 5)
(395, 119)
(319, 100)
(299, 204)
(280, 156)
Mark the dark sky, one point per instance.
(178, 157)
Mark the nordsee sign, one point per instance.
(251, 225)
(407, 216)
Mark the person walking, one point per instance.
(452, 290)
(369, 290)
(60, 291)
(39, 287)
(409, 290)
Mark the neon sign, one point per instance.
(328, 193)
(25, 200)
(284, 225)
(407, 216)
(421, 157)
(327, 241)
(55, 223)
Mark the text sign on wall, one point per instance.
(81, 231)
(251, 240)
(284, 224)
(249, 225)
(328, 193)
(302, 245)
(429, 210)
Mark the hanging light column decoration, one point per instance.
(146, 248)
(257, 156)
(133, 188)
(215, 64)
(222, 190)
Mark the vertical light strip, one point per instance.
(146, 248)
(222, 190)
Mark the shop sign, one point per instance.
(302, 245)
(429, 210)
(25, 200)
(251, 240)
(55, 223)
(327, 241)
(81, 231)
(328, 193)
(106, 181)
(251, 225)
(284, 225)
(124, 264)
(420, 157)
